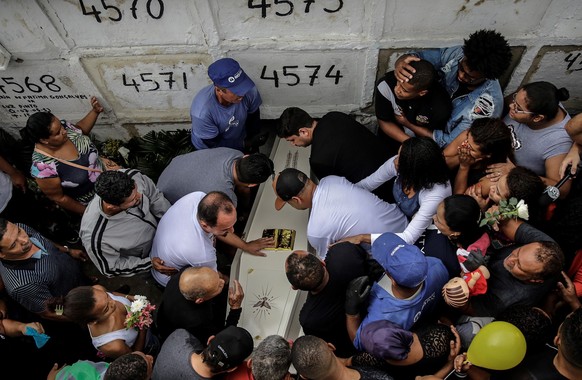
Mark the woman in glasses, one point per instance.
(537, 119)
(65, 162)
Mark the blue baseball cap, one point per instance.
(404, 262)
(227, 73)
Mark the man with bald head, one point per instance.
(194, 300)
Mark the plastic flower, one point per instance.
(506, 209)
(139, 313)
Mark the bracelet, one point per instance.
(460, 375)
(68, 250)
(126, 296)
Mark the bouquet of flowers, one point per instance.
(506, 209)
(139, 314)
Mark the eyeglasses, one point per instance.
(517, 107)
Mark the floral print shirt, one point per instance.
(77, 183)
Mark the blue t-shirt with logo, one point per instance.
(211, 119)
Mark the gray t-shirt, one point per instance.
(204, 170)
(533, 147)
(173, 361)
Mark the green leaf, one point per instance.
(503, 203)
(154, 151)
(513, 201)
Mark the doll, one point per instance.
(473, 278)
(458, 290)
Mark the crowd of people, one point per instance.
(461, 211)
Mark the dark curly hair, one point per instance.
(487, 52)
(114, 187)
(435, 340)
(570, 337)
(535, 325)
(292, 119)
(421, 164)
(304, 272)
(127, 367)
(310, 356)
(523, 183)
(551, 256)
(543, 98)
(424, 76)
(493, 138)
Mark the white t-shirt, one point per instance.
(428, 199)
(180, 240)
(340, 209)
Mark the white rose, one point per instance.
(522, 211)
(137, 305)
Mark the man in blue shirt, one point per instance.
(226, 112)
(409, 289)
(469, 73)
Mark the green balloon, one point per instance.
(499, 346)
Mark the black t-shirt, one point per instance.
(323, 314)
(369, 373)
(341, 146)
(431, 110)
(176, 312)
(504, 290)
(408, 372)
(433, 243)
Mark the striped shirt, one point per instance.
(31, 282)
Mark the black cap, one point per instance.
(290, 182)
(231, 347)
